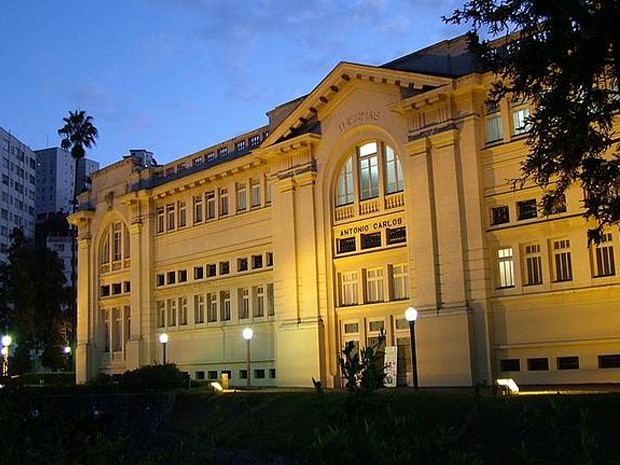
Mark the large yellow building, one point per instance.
(385, 187)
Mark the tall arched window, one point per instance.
(371, 171)
(115, 247)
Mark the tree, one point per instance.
(79, 134)
(33, 303)
(564, 57)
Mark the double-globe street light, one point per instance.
(411, 314)
(247, 335)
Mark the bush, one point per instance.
(48, 379)
(154, 377)
(363, 369)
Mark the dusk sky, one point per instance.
(176, 76)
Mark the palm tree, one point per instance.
(79, 134)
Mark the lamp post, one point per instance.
(6, 342)
(163, 339)
(411, 314)
(247, 335)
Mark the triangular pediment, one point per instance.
(305, 112)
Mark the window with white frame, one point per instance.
(161, 313)
(255, 192)
(199, 308)
(223, 201)
(374, 285)
(244, 303)
(493, 123)
(172, 312)
(393, 172)
(533, 264)
(520, 115)
(161, 224)
(198, 209)
(116, 328)
(562, 263)
(182, 214)
(170, 217)
(349, 288)
(259, 300)
(212, 307)
(506, 267)
(368, 160)
(400, 281)
(182, 311)
(210, 199)
(603, 257)
(225, 305)
(242, 196)
(115, 246)
(345, 184)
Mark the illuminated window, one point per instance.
(393, 172)
(345, 184)
(374, 285)
(225, 305)
(368, 160)
(506, 267)
(493, 123)
(520, 123)
(349, 288)
(182, 311)
(400, 282)
(244, 303)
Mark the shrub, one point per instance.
(48, 379)
(154, 377)
(363, 369)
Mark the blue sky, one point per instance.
(176, 76)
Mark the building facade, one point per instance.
(385, 187)
(17, 191)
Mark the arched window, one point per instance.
(115, 248)
(373, 170)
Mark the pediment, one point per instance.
(309, 110)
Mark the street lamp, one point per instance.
(163, 339)
(6, 342)
(411, 314)
(247, 335)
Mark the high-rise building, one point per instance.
(384, 188)
(17, 191)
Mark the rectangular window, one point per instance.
(371, 240)
(257, 261)
(160, 280)
(259, 373)
(244, 303)
(106, 331)
(526, 209)
(267, 189)
(562, 263)
(255, 140)
(259, 300)
(396, 235)
(269, 258)
(243, 374)
(500, 215)
(393, 172)
(494, 128)
(374, 285)
(255, 192)
(520, 125)
(116, 288)
(182, 276)
(400, 282)
(346, 244)
(182, 214)
(210, 157)
(348, 288)
(603, 257)
(198, 272)
(212, 374)
(222, 152)
(212, 307)
(506, 267)
(224, 268)
(161, 313)
(182, 311)
(171, 277)
(210, 196)
(170, 215)
(533, 265)
(116, 241)
(272, 373)
(609, 361)
(368, 161)
(538, 364)
(200, 375)
(223, 201)
(160, 220)
(104, 290)
(199, 308)
(271, 309)
(242, 196)
(172, 312)
(241, 145)
(225, 305)
(568, 363)
(242, 264)
(197, 199)
(211, 270)
(117, 330)
(510, 364)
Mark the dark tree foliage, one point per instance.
(33, 304)
(564, 57)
